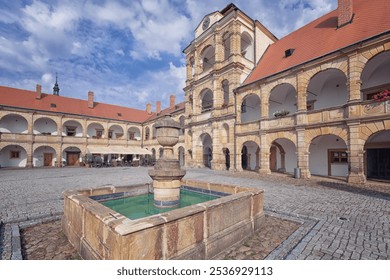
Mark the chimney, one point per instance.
(149, 108)
(158, 107)
(90, 99)
(345, 12)
(39, 92)
(172, 101)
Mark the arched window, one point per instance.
(192, 65)
(147, 133)
(225, 88)
(207, 100)
(208, 58)
(226, 45)
(182, 120)
(247, 46)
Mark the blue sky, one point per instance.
(128, 52)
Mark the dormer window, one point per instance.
(53, 105)
(289, 52)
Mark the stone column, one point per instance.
(355, 155)
(29, 155)
(235, 40)
(354, 85)
(301, 115)
(106, 127)
(59, 155)
(188, 68)
(264, 154)
(257, 167)
(219, 50)
(282, 162)
(302, 154)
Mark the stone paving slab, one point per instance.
(353, 221)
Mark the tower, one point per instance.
(226, 47)
(56, 88)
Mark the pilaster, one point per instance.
(355, 155)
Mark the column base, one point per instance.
(264, 171)
(359, 178)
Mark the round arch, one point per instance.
(326, 89)
(134, 133)
(314, 133)
(328, 156)
(374, 76)
(13, 156)
(72, 128)
(115, 131)
(247, 46)
(71, 155)
(283, 155)
(207, 149)
(45, 126)
(282, 98)
(206, 98)
(44, 156)
(250, 108)
(13, 123)
(95, 130)
(377, 155)
(250, 155)
(208, 57)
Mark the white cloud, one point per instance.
(47, 79)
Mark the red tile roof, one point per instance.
(167, 111)
(321, 37)
(26, 99)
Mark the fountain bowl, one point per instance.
(200, 231)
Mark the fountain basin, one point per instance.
(200, 231)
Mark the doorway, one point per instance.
(72, 158)
(47, 159)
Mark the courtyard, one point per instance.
(337, 220)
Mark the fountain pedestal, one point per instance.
(167, 174)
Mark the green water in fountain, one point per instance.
(136, 207)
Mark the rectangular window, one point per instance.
(99, 133)
(14, 154)
(70, 131)
(131, 136)
(110, 135)
(338, 156)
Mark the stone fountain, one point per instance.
(167, 174)
(199, 231)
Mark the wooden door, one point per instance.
(272, 159)
(47, 159)
(72, 159)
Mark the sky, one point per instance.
(128, 52)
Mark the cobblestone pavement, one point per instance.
(349, 222)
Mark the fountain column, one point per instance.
(167, 173)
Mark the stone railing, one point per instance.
(326, 115)
(277, 123)
(204, 116)
(17, 137)
(248, 127)
(372, 108)
(47, 138)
